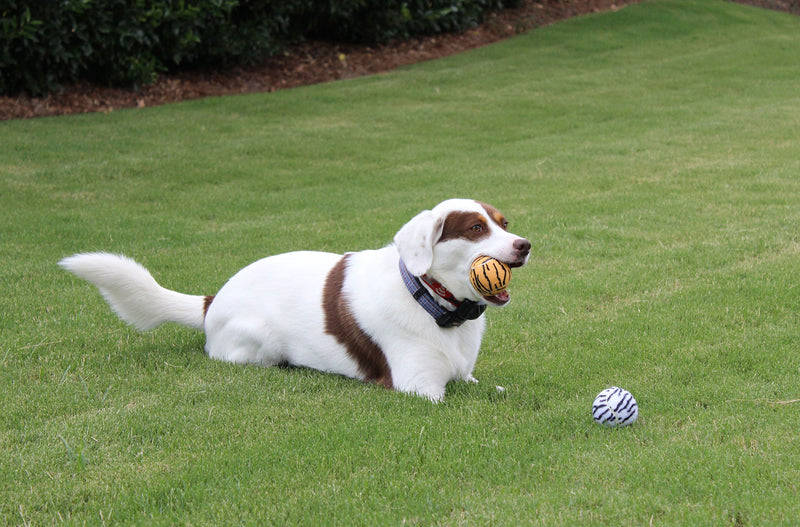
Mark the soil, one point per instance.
(316, 62)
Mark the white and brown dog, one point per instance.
(404, 316)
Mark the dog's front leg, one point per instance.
(421, 375)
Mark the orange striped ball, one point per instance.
(489, 276)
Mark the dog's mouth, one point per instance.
(499, 299)
(503, 297)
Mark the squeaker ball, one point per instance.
(615, 407)
(489, 276)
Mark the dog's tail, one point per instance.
(133, 294)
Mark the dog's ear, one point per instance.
(415, 241)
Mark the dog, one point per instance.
(404, 316)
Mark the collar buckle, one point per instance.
(467, 310)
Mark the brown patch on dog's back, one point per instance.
(207, 303)
(340, 322)
(463, 225)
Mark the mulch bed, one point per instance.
(315, 62)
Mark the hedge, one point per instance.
(47, 43)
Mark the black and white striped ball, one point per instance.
(615, 407)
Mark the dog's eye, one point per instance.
(505, 225)
(477, 227)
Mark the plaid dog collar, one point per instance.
(465, 309)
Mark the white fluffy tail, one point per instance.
(132, 292)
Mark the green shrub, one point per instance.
(128, 42)
(370, 21)
(28, 60)
(44, 43)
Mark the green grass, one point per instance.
(651, 156)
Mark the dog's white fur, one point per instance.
(271, 312)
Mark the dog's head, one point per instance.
(443, 242)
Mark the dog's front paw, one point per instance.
(470, 378)
(435, 395)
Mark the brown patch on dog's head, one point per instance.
(496, 215)
(465, 225)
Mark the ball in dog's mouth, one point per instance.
(490, 278)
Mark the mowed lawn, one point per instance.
(650, 154)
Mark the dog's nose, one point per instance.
(522, 246)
